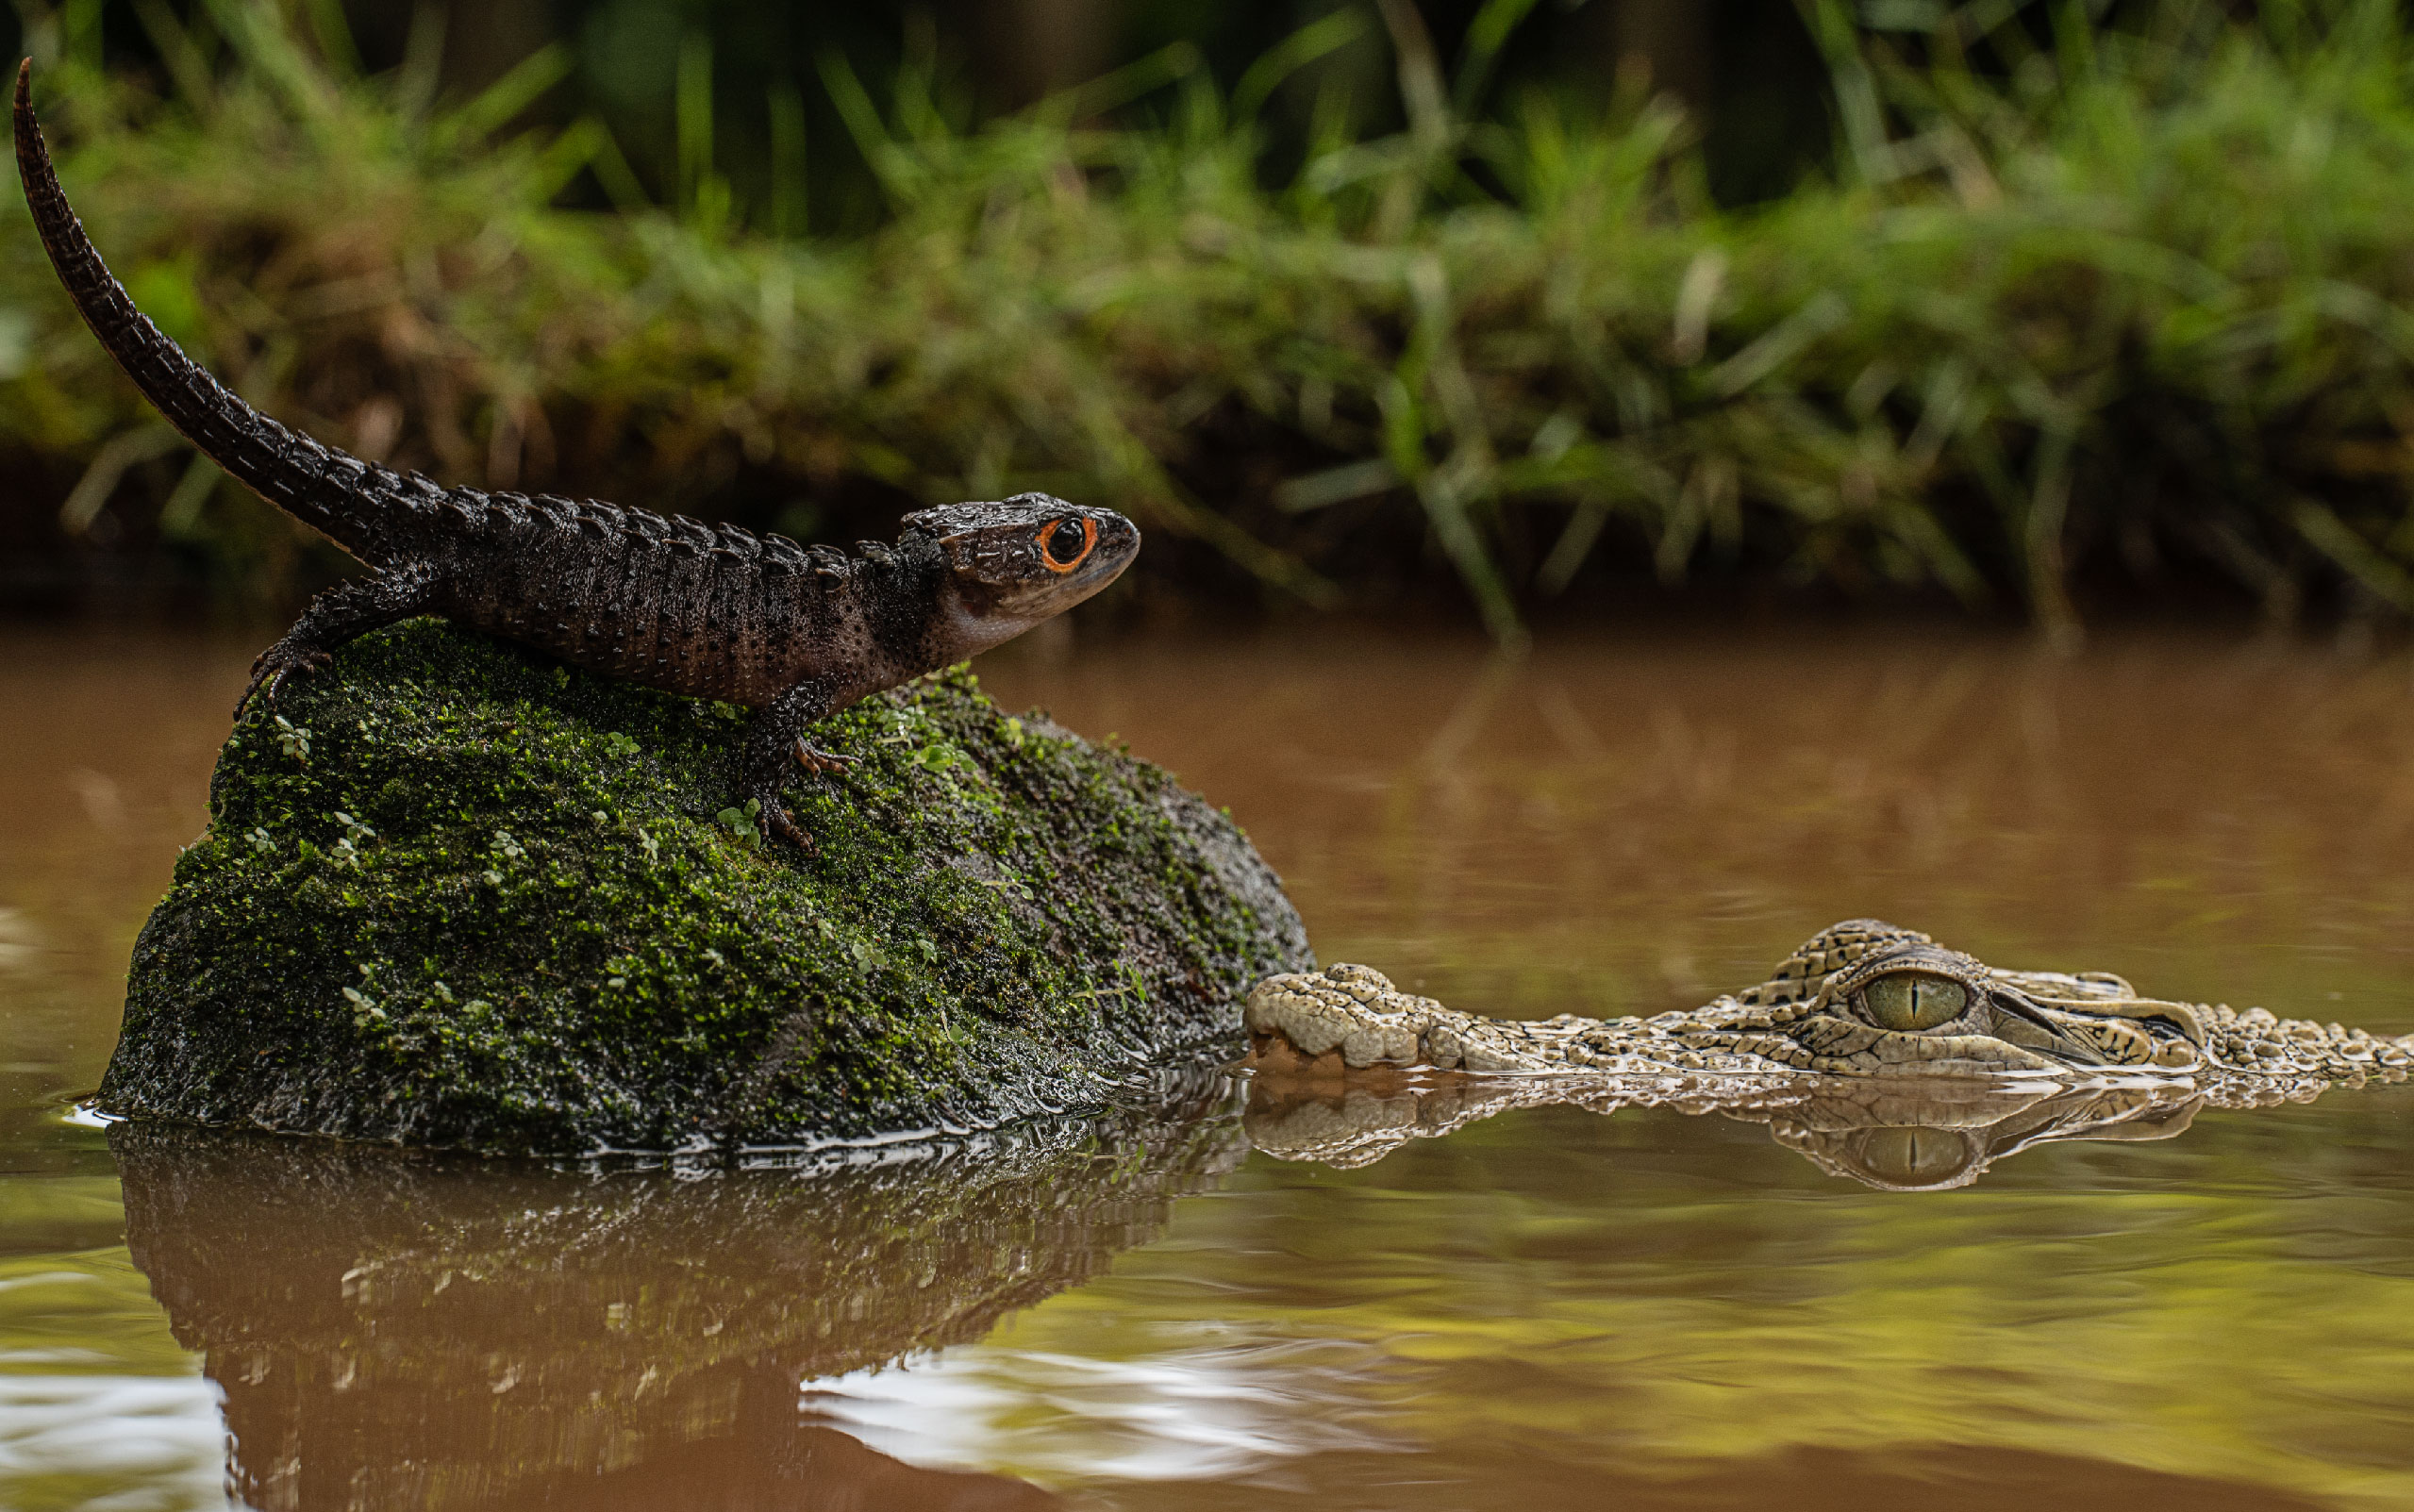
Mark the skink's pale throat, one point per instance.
(708, 611)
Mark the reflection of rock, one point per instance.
(1898, 1135)
(767, 1461)
(394, 1330)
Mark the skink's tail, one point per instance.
(324, 488)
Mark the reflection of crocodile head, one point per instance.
(400, 1330)
(1859, 999)
(1931, 1136)
(1894, 1135)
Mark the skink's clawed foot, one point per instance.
(774, 819)
(271, 667)
(813, 759)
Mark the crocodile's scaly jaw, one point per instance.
(1861, 999)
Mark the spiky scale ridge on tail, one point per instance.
(319, 487)
(712, 611)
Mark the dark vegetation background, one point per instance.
(1511, 309)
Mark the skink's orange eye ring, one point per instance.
(1065, 544)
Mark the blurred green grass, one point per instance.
(2072, 318)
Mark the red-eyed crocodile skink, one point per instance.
(712, 611)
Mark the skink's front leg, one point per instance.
(777, 737)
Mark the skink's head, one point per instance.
(1013, 564)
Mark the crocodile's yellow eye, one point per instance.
(1908, 1001)
(1064, 544)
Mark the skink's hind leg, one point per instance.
(777, 738)
(342, 613)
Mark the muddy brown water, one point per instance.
(1550, 1307)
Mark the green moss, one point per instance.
(451, 894)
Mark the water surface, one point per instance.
(1549, 1306)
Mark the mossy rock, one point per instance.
(454, 895)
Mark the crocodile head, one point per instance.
(1872, 1051)
(1011, 565)
(1908, 1005)
(1859, 999)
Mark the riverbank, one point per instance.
(2133, 313)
